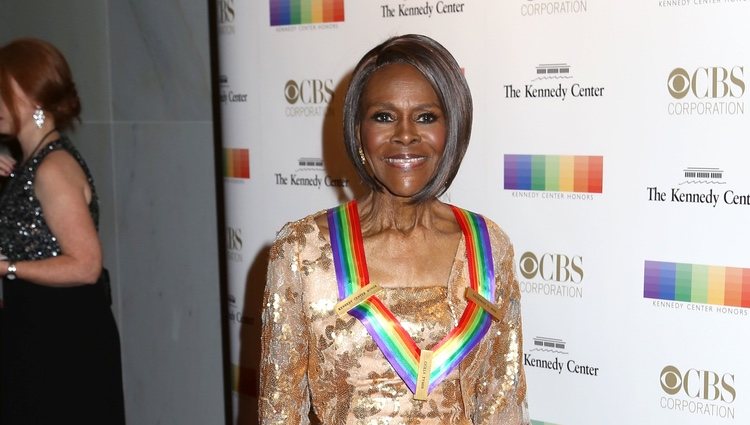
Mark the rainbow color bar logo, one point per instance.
(237, 163)
(295, 12)
(554, 173)
(717, 285)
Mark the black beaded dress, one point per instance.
(60, 346)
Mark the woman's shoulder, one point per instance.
(60, 156)
(495, 230)
(298, 227)
(299, 230)
(502, 246)
(60, 165)
(294, 236)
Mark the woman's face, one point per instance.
(401, 129)
(24, 106)
(6, 121)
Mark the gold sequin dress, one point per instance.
(312, 357)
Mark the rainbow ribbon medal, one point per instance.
(396, 344)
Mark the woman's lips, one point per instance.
(405, 161)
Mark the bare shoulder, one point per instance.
(60, 167)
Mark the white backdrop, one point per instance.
(655, 90)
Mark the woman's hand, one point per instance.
(7, 163)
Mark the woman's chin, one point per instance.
(403, 194)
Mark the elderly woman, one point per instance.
(396, 308)
(60, 348)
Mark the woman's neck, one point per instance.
(32, 140)
(383, 211)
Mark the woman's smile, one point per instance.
(402, 129)
(405, 161)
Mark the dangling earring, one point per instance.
(362, 156)
(38, 117)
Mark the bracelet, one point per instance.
(11, 274)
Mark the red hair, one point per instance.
(44, 76)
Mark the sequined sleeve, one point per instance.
(501, 396)
(284, 391)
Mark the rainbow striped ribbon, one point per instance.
(396, 344)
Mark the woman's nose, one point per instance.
(406, 133)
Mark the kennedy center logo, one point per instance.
(421, 8)
(310, 173)
(553, 81)
(551, 354)
(700, 186)
(228, 95)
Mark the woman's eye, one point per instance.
(426, 118)
(382, 117)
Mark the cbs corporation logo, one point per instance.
(309, 91)
(234, 243)
(706, 91)
(699, 392)
(552, 267)
(553, 7)
(225, 15)
(552, 274)
(308, 97)
(715, 82)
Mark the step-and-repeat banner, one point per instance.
(610, 141)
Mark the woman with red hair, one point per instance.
(60, 348)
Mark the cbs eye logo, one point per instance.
(707, 83)
(308, 91)
(552, 267)
(694, 383)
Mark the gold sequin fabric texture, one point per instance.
(311, 358)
